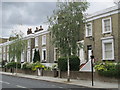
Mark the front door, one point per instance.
(89, 49)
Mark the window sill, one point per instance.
(36, 45)
(107, 32)
(55, 61)
(44, 61)
(43, 44)
(108, 59)
(88, 36)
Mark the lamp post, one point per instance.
(92, 57)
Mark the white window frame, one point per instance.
(0, 50)
(44, 49)
(104, 41)
(36, 41)
(4, 49)
(0, 57)
(4, 56)
(22, 56)
(29, 41)
(103, 25)
(33, 51)
(7, 56)
(7, 48)
(44, 40)
(28, 55)
(87, 29)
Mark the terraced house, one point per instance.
(3, 50)
(39, 40)
(102, 35)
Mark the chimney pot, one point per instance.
(29, 31)
(40, 28)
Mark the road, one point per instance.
(14, 83)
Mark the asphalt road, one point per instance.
(15, 83)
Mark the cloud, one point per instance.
(25, 13)
(28, 13)
(32, 14)
(99, 5)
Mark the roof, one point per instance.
(103, 13)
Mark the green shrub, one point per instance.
(13, 65)
(36, 56)
(26, 66)
(3, 63)
(108, 69)
(74, 63)
(62, 63)
(33, 66)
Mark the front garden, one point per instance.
(104, 70)
(108, 69)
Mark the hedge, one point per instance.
(74, 63)
(13, 65)
(108, 69)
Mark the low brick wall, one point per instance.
(48, 73)
(73, 75)
(87, 76)
(77, 75)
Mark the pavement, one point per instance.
(86, 83)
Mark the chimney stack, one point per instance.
(40, 28)
(29, 31)
(36, 29)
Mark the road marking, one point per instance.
(4, 82)
(20, 86)
(60, 87)
(53, 85)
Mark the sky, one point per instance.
(18, 16)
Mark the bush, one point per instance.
(3, 63)
(74, 63)
(26, 66)
(62, 63)
(108, 69)
(13, 65)
(36, 56)
(33, 66)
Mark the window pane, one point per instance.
(44, 55)
(108, 46)
(108, 54)
(44, 40)
(107, 25)
(36, 41)
(89, 31)
(108, 50)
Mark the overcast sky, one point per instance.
(34, 14)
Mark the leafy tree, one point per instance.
(67, 26)
(17, 46)
(36, 56)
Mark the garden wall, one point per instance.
(87, 76)
(73, 75)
